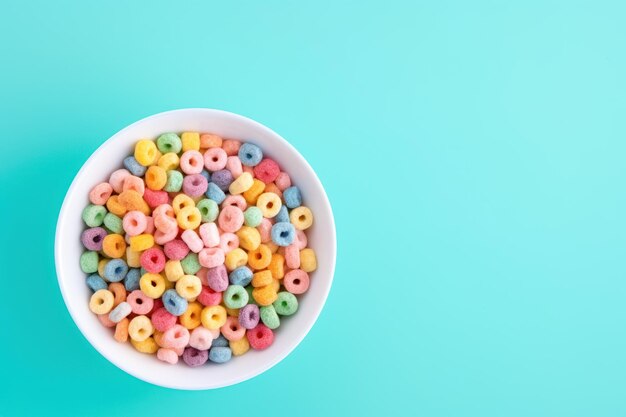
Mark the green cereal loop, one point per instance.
(235, 296)
(169, 142)
(269, 317)
(113, 223)
(190, 264)
(253, 216)
(93, 215)
(174, 181)
(208, 210)
(89, 262)
(286, 304)
(251, 299)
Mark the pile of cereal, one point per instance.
(196, 249)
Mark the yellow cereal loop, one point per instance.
(254, 192)
(101, 265)
(191, 141)
(191, 317)
(145, 152)
(153, 285)
(308, 261)
(188, 286)
(301, 218)
(101, 302)
(269, 204)
(156, 178)
(189, 218)
(157, 157)
(213, 317)
(232, 312)
(182, 201)
(239, 347)
(173, 270)
(265, 296)
(277, 266)
(142, 242)
(241, 184)
(147, 346)
(260, 258)
(235, 258)
(132, 258)
(169, 285)
(114, 245)
(262, 278)
(140, 328)
(249, 238)
(168, 161)
(114, 206)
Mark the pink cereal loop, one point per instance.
(210, 235)
(117, 179)
(134, 223)
(193, 241)
(228, 242)
(175, 337)
(235, 201)
(100, 193)
(283, 181)
(249, 170)
(230, 219)
(233, 164)
(232, 330)
(139, 302)
(203, 275)
(231, 146)
(167, 356)
(301, 239)
(292, 256)
(201, 338)
(265, 230)
(191, 162)
(106, 322)
(162, 237)
(296, 281)
(134, 183)
(211, 257)
(215, 159)
(149, 225)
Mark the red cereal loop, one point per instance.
(152, 260)
(261, 337)
(267, 170)
(155, 198)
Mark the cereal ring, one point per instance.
(235, 296)
(282, 181)
(190, 140)
(272, 188)
(220, 354)
(201, 338)
(250, 154)
(277, 266)
(169, 142)
(209, 297)
(173, 270)
(260, 258)
(241, 184)
(239, 347)
(213, 317)
(195, 185)
(191, 162)
(156, 178)
(134, 183)
(134, 223)
(174, 303)
(282, 215)
(100, 194)
(175, 337)
(269, 203)
(265, 230)
(104, 319)
(131, 200)
(283, 233)
(214, 193)
(261, 337)
(267, 170)
(292, 256)
(131, 282)
(115, 270)
(235, 201)
(116, 179)
(228, 242)
(210, 235)
(147, 346)
(168, 161)
(95, 283)
(192, 240)
(92, 238)
(235, 258)
(296, 281)
(208, 210)
(139, 302)
(163, 319)
(113, 223)
(230, 219)
(190, 319)
(308, 260)
(231, 146)
(286, 304)
(121, 331)
(134, 167)
(301, 217)
(167, 356)
(89, 262)
(217, 278)
(120, 312)
(262, 278)
(241, 276)
(152, 285)
(211, 257)
(141, 242)
(194, 357)
(249, 238)
(176, 249)
(292, 197)
(188, 218)
(174, 181)
(190, 264)
(269, 317)
(215, 159)
(93, 216)
(208, 140)
(101, 302)
(232, 330)
(181, 201)
(222, 178)
(264, 296)
(233, 164)
(114, 206)
(155, 198)
(153, 260)
(253, 216)
(188, 286)
(145, 152)
(140, 328)
(114, 245)
(249, 316)
(161, 237)
(219, 341)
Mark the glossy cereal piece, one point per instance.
(230, 219)
(209, 140)
(174, 181)
(92, 238)
(131, 281)
(173, 270)
(148, 346)
(286, 304)
(153, 260)
(249, 238)
(190, 141)
(260, 257)
(99, 194)
(264, 296)
(121, 330)
(101, 302)
(262, 278)
(200, 338)
(134, 167)
(235, 297)
(131, 200)
(232, 330)
(252, 216)
(180, 202)
(145, 152)
(213, 317)
(210, 235)
(208, 210)
(114, 206)
(235, 258)
(190, 264)
(176, 249)
(301, 217)
(269, 317)
(140, 328)
(174, 303)
(296, 281)
(253, 193)
(241, 184)
(175, 337)
(250, 154)
(168, 161)
(162, 319)
(114, 245)
(95, 283)
(190, 319)
(292, 256)
(228, 242)
(209, 297)
(267, 170)
(188, 218)
(188, 286)
(269, 204)
(261, 337)
(120, 312)
(239, 347)
(167, 356)
(277, 266)
(152, 285)
(194, 357)
(141, 242)
(214, 193)
(283, 233)
(192, 240)
(93, 215)
(169, 142)
(113, 223)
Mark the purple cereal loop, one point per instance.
(194, 357)
(217, 278)
(92, 238)
(222, 178)
(249, 316)
(195, 185)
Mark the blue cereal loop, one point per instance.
(250, 154)
(115, 270)
(292, 197)
(95, 283)
(134, 167)
(283, 233)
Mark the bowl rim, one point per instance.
(59, 261)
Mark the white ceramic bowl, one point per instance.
(68, 248)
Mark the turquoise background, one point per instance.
(473, 153)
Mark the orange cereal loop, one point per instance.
(121, 331)
(119, 292)
(158, 337)
(147, 346)
(275, 285)
(156, 178)
(258, 187)
(190, 319)
(262, 278)
(277, 266)
(272, 188)
(231, 146)
(208, 140)
(114, 206)
(260, 257)
(114, 245)
(265, 296)
(132, 200)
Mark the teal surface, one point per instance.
(474, 154)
